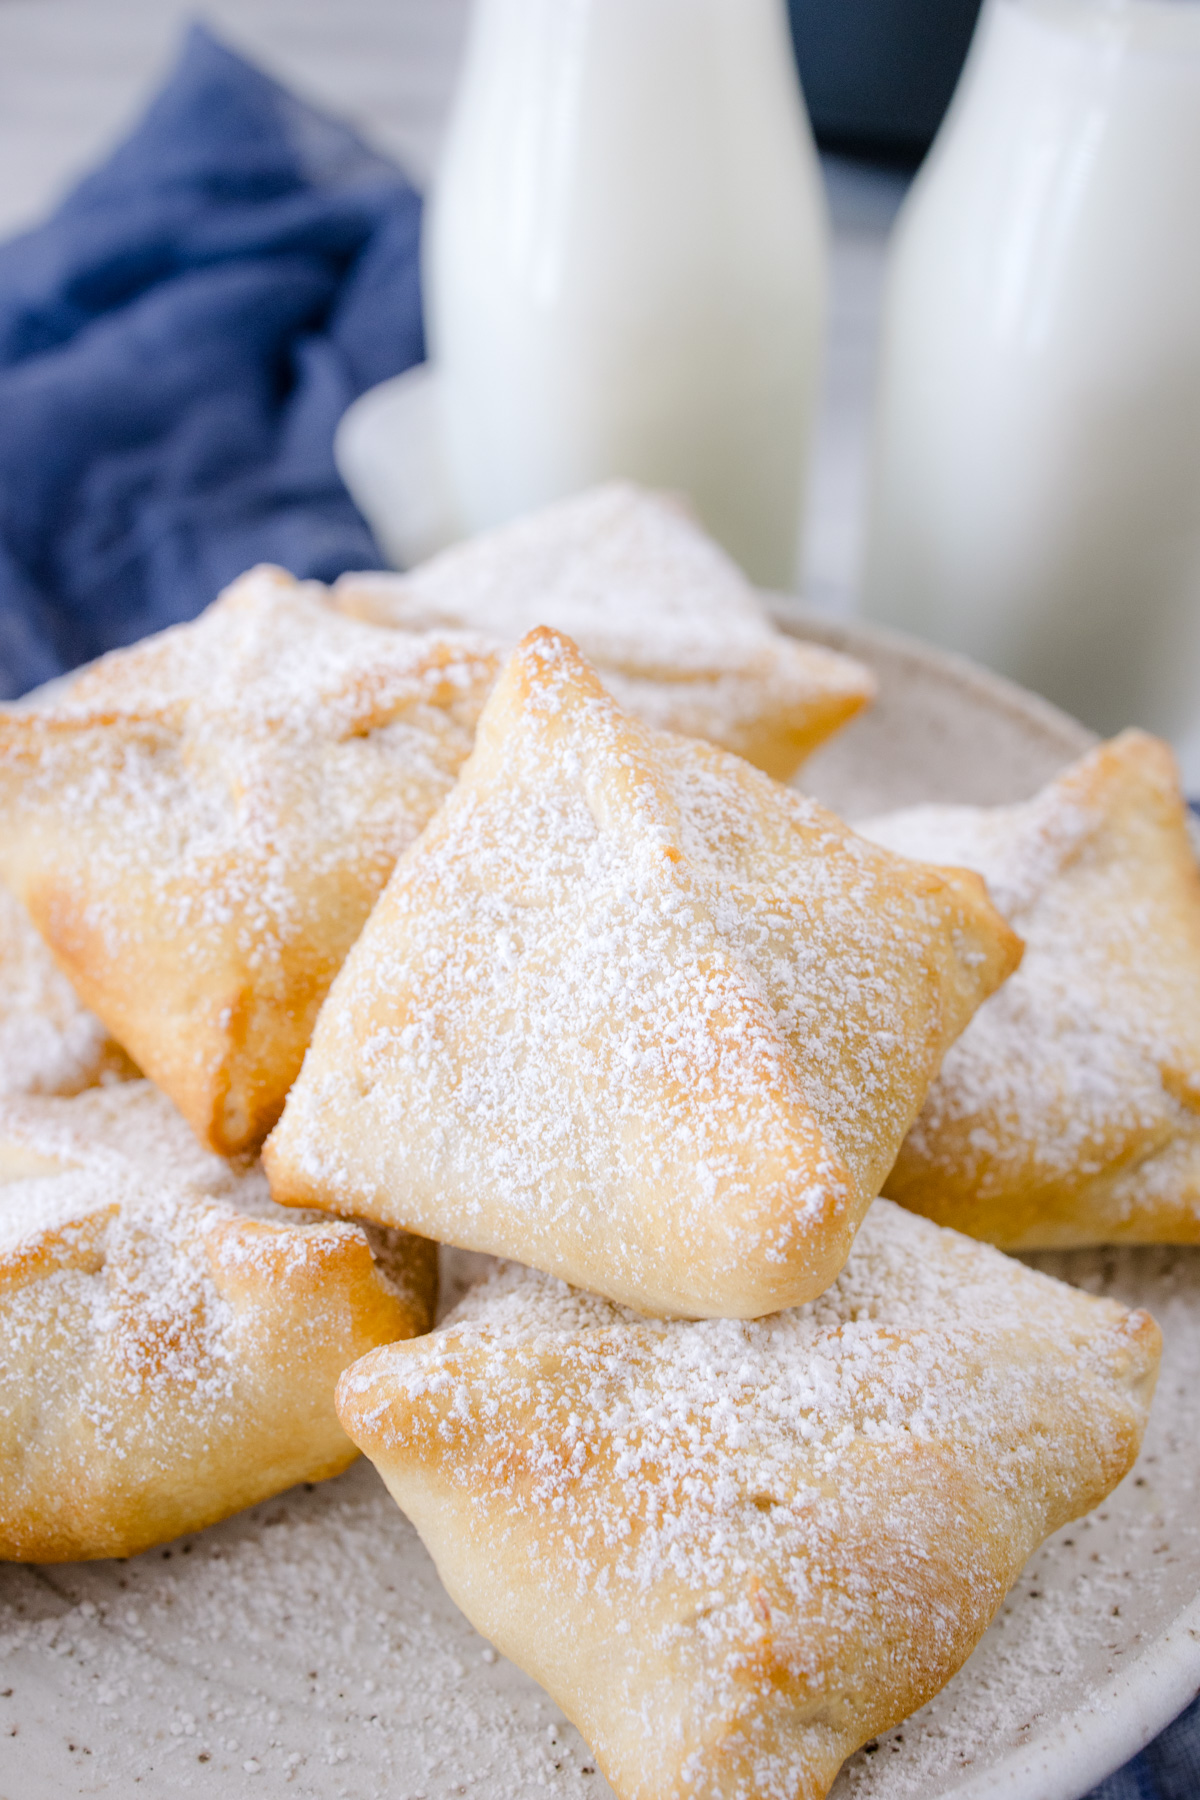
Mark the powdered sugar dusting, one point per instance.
(49, 1042)
(262, 741)
(681, 637)
(1019, 850)
(788, 1495)
(627, 574)
(312, 1652)
(111, 1137)
(1086, 1064)
(624, 989)
(127, 1334)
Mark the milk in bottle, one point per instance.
(1037, 468)
(624, 265)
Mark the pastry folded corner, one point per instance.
(747, 1549)
(634, 1013)
(676, 632)
(170, 1342)
(1068, 1113)
(199, 825)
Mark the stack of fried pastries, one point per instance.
(736, 1458)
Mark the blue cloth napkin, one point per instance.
(177, 344)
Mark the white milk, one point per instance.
(625, 263)
(1037, 475)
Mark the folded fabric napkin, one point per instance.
(177, 344)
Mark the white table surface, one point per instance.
(74, 74)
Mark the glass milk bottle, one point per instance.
(1037, 472)
(624, 269)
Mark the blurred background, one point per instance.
(877, 75)
(1005, 460)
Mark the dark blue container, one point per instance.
(878, 74)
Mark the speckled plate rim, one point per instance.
(1122, 1717)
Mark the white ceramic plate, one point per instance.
(306, 1649)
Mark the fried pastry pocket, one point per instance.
(199, 826)
(634, 1013)
(733, 1552)
(673, 627)
(1069, 1110)
(169, 1340)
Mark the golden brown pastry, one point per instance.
(1069, 1110)
(199, 826)
(633, 1013)
(169, 1340)
(731, 1552)
(49, 1042)
(671, 624)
